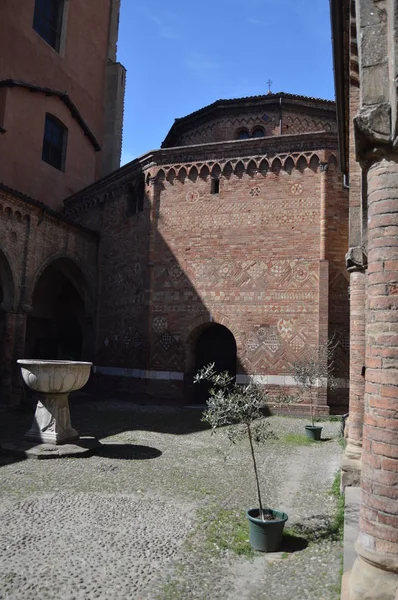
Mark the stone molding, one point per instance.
(265, 163)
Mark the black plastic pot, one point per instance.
(313, 432)
(266, 536)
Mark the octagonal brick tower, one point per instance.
(239, 222)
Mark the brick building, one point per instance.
(61, 96)
(226, 244)
(61, 112)
(365, 57)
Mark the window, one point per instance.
(258, 132)
(242, 134)
(54, 142)
(47, 21)
(135, 197)
(215, 186)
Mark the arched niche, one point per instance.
(61, 322)
(211, 343)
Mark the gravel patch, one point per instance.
(130, 521)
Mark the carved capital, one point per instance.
(323, 167)
(372, 128)
(356, 259)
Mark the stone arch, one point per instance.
(289, 165)
(252, 168)
(161, 175)
(239, 169)
(276, 166)
(216, 171)
(264, 167)
(227, 170)
(182, 174)
(204, 172)
(332, 162)
(193, 173)
(61, 321)
(171, 175)
(301, 164)
(314, 163)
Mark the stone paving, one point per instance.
(141, 518)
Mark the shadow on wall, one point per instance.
(155, 329)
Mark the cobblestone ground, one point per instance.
(144, 518)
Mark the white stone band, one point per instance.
(279, 380)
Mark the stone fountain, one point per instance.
(52, 381)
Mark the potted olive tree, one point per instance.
(243, 409)
(313, 370)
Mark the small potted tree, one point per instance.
(310, 372)
(243, 409)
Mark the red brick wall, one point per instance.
(79, 70)
(32, 238)
(247, 257)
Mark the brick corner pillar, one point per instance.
(322, 407)
(375, 571)
(351, 463)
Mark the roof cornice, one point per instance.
(64, 97)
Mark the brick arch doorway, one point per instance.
(60, 325)
(214, 343)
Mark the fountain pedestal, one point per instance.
(52, 381)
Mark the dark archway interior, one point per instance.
(216, 344)
(55, 327)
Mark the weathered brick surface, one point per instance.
(247, 257)
(78, 73)
(380, 448)
(31, 239)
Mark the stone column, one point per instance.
(375, 571)
(351, 464)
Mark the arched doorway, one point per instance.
(59, 327)
(214, 344)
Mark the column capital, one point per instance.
(356, 259)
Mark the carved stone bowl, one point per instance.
(52, 381)
(54, 376)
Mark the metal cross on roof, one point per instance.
(269, 83)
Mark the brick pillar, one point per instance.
(12, 348)
(351, 464)
(357, 362)
(375, 571)
(323, 326)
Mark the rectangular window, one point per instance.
(47, 21)
(54, 142)
(215, 186)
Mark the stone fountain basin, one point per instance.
(54, 376)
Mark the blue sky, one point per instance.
(181, 56)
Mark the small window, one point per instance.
(242, 134)
(258, 132)
(54, 142)
(47, 21)
(215, 186)
(135, 197)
